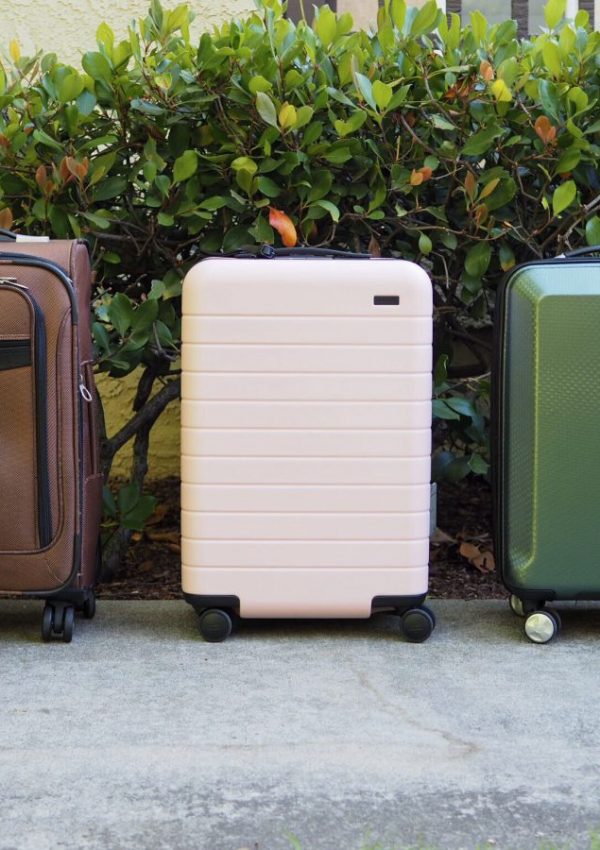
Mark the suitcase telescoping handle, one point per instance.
(582, 252)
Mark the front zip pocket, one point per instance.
(25, 517)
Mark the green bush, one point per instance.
(464, 149)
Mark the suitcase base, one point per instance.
(219, 613)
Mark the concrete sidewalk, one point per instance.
(139, 735)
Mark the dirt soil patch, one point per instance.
(152, 566)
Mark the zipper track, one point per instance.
(44, 513)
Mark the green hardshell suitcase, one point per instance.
(547, 436)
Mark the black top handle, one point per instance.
(268, 252)
(7, 235)
(583, 252)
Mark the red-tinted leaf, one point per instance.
(41, 176)
(470, 185)
(283, 224)
(420, 175)
(545, 130)
(486, 70)
(6, 218)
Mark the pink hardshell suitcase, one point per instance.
(306, 439)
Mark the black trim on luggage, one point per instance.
(14, 354)
(41, 425)
(498, 460)
(398, 604)
(201, 603)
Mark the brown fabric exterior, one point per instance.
(49, 569)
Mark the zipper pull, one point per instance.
(85, 393)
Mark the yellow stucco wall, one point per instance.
(117, 398)
(68, 27)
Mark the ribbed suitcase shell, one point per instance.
(547, 416)
(306, 434)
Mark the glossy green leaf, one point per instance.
(478, 259)
(563, 196)
(185, 166)
(331, 208)
(69, 86)
(554, 12)
(481, 142)
(552, 58)
(425, 244)
(592, 231)
(121, 313)
(97, 66)
(268, 187)
(382, 93)
(425, 19)
(365, 88)
(326, 25)
(258, 84)
(266, 109)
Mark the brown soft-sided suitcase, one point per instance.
(50, 479)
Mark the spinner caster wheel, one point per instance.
(89, 606)
(47, 622)
(215, 626)
(524, 607)
(542, 626)
(517, 606)
(431, 614)
(418, 624)
(58, 620)
(68, 624)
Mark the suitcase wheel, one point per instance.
(215, 625)
(542, 626)
(523, 607)
(58, 620)
(418, 624)
(88, 608)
